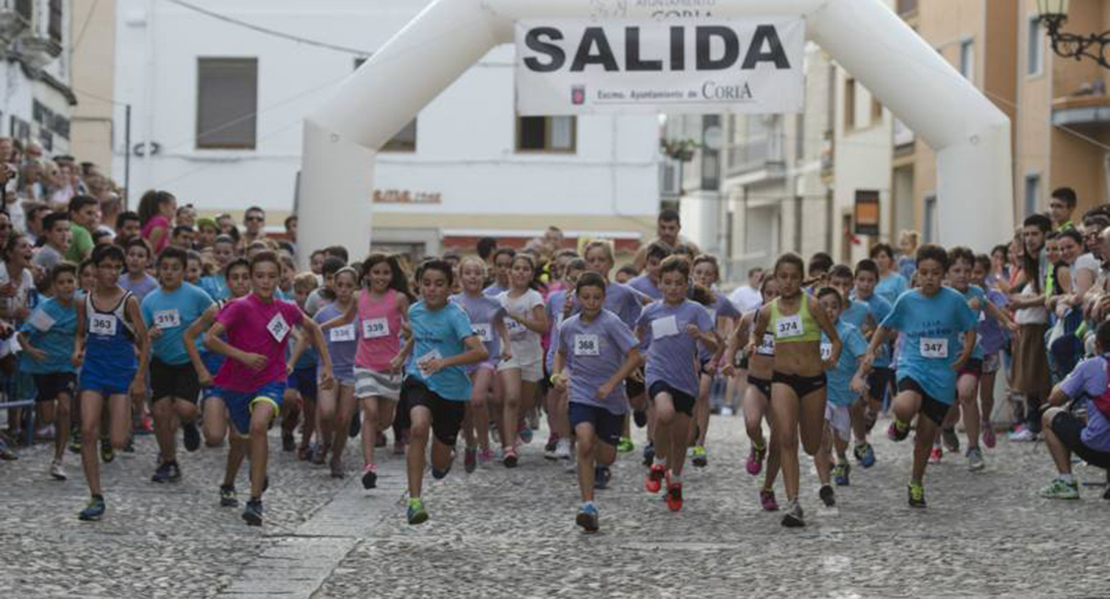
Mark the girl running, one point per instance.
(436, 387)
(798, 383)
(558, 308)
(252, 382)
(487, 317)
(110, 333)
(335, 407)
(599, 352)
(723, 315)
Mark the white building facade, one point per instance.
(217, 111)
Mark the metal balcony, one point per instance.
(1090, 113)
(762, 153)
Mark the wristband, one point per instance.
(551, 379)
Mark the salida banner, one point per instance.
(725, 65)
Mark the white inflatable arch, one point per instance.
(969, 134)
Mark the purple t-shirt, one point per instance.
(992, 337)
(139, 288)
(257, 327)
(1089, 380)
(483, 311)
(555, 303)
(622, 300)
(671, 351)
(644, 285)
(342, 344)
(594, 352)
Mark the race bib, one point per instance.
(934, 348)
(102, 324)
(42, 321)
(167, 319)
(484, 332)
(982, 316)
(375, 328)
(788, 327)
(423, 361)
(767, 346)
(826, 351)
(341, 334)
(664, 327)
(278, 328)
(515, 328)
(587, 345)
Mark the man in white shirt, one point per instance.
(747, 297)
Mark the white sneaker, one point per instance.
(562, 449)
(1023, 436)
(57, 471)
(551, 454)
(726, 411)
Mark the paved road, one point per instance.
(511, 533)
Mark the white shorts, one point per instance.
(840, 419)
(531, 372)
(991, 363)
(369, 383)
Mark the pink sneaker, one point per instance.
(989, 438)
(767, 500)
(485, 456)
(755, 460)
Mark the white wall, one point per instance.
(465, 138)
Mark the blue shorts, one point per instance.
(239, 404)
(212, 361)
(607, 425)
(106, 383)
(303, 380)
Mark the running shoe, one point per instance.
(288, 443)
(57, 471)
(319, 454)
(510, 458)
(625, 445)
(337, 468)
(767, 500)
(827, 495)
(107, 454)
(304, 452)
(228, 496)
(416, 512)
(841, 474)
(898, 430)
(252, 514)
(355, 427)
(640, 418)
(145, 426)
(989, 438)
(525, 434)
(917, 495)
(549, 454)
(485, 456)
(674, 494)
(865, 454)
(75, 441)
(1060, 489)
(190, 435)
(755, 459)
(175, 472)
(649, 454)
(936, 455)
(951, 439)
(470, 459)
(161, 474)
(602, 475)
(94, 510)
(552, 440)
(587, 518)
(562, 449)
(726, 411)
(794, 517)
(654, 480)
(701, 458)
(1023, 435)
(369, 476)
(975, 461)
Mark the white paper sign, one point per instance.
(581, 66)
(766, 347)
(375, 328)
(587, 345)
(484, 332)
(423, 361)
(664, 327)
(167, 319)
(342, 334)
(788, 327)
(826, 351)
(934, 348)
(102, 324)
(278, 327)
(41, 321)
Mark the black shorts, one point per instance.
(683, 402)
(763, 385)
(168, 380)
(1070, 430)
(50, 386)
(447, 416)
(930, 406)
(802, 385)
(634, 388)
(973, 366)
(607, 426)
(878, 381)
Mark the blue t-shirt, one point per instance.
(51, 328)
(856, 314)
(892, 287)
(215, 286)
(879, 309)
(440, 332)
(931, 330)
(594, 352)
(172, 312)
(840, 378)
(671, 351)
(1088, 379)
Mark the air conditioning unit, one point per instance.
(15, 18)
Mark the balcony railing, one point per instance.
(756, 153)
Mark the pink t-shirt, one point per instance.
(379, 330)
(256, 327)
(155, 222)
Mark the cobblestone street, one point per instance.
(511, 533)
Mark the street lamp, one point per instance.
(1053, 14)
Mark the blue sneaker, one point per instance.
(841, 474)
(587, 518)
(253, 512)
(416, 513)
(526, 435)
(865, 454)
(94, 510)
(602, 475)
(163, 473)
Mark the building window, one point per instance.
(967, 59)
(405, 140)
(1032, 193)
(931, 232)
(1035, 58)
(546, 134)
(54, 25)
(227, 103)
(849, 104)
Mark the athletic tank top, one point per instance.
(796, 328)
(379, 329)
(111, 338)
